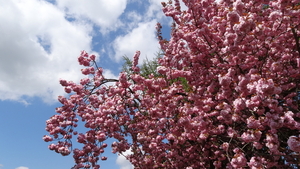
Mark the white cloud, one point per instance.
(37, 48)
(41, 41)
(142, 38)
(103, 13)
(123, 162)
(21, 167)
(141, 33)
(134, 18)
(1, 166)
(155, 9)
(108, 74)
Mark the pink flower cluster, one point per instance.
(227, 94)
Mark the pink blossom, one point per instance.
(161, 69)
(251, 136)
(239, 6)
(225, 95)
(47, 138)
(92, 57)
(239, 160)
(294, 143)
(233, 17)
(136, 58)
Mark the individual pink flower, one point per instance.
(47, 138)
(239, 160)
(136, 58)
(294, 143)
(161, 69)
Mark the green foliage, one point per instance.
(185, 84)
(127, 65)
(147, 68)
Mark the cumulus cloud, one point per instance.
(123, 162)
(154, 9)
(133, 18)
(41, 41)
(142, 38)
(37, 48)
(108, 74)
(21, 167)
(103, 13)
(141, 33)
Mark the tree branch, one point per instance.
(296, 39)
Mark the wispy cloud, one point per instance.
(21, 167)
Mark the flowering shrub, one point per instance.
(226, 94)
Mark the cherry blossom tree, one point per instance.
(224, 95)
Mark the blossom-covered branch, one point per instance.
(226, 94)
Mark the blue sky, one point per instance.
(40, 42)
